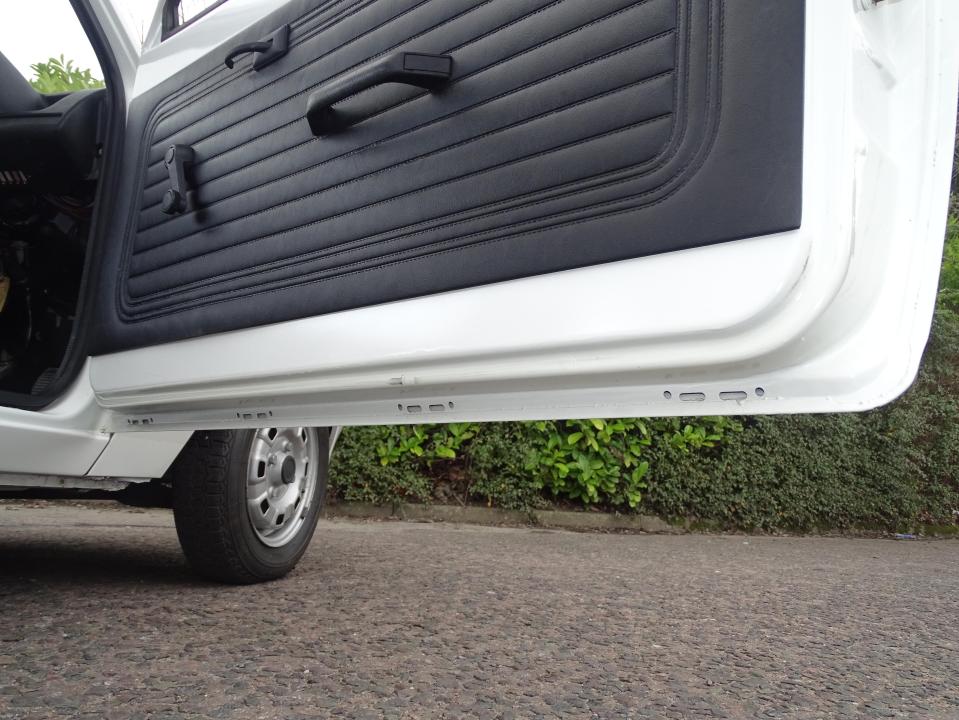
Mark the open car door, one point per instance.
(383, 211)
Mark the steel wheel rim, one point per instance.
(281, 482)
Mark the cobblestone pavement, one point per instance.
(102, 619)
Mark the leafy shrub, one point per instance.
(604, 461)
(954, 197)
(949, 277)
(430, 442)
(515, 465)
(591, 460)
(58, 75)
(357, 476)
(496, 468)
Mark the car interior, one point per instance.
(51, 147)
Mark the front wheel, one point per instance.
(246, 502)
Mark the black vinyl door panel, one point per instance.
(571, 133)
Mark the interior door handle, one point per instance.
(407, 68)
(266, 51)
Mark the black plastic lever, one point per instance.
(407, 68)
(177, 198)
(265, 51)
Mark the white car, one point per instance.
(285, 216)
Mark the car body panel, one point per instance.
(832, 316)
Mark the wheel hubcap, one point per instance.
(281, 482)
(288, 471)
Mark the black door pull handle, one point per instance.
(253, 47)
(265, 51)
(407, 68)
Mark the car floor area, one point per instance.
(101, 618)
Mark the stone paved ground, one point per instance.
(101, 619)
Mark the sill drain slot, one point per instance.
(254, 415)
(733, 395)
(433, 407)
(692, 397)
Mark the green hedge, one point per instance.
(895, 468)
(517, 465)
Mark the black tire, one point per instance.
(209, 507)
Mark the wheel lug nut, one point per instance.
(271, 460)
(287, 446)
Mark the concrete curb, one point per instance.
(586, 521)
(475, 515)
